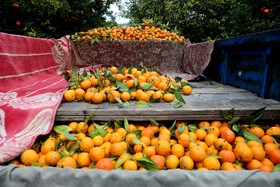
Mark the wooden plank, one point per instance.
(204, 104)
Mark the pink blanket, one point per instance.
(31, 89)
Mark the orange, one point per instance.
(243, 152)
(253, 164)
(104, 164)
(212, 150)
(125, 96)
(119, 77)
(79, 93)
(148, 131)
(52, 158)
(47, 146)
(93, 81)
(128, 138)
(111, 96)
(228, 135)
(275, 156)
(157, 95)
(83, 159)
(254, 144)
(153, 79)
(187, 90)
(97, 98)
(107, 148)
(172, 162)
(159, 160)
(130, 165)
(67, 162)
(186, 163)
(29, 156)
(115, 137)
(131, 128)
(85, 84)
(163, 147)
(88, 96)
(97, 140)
(69, 95)
(184, 140)
(259, 132)
(265, 168)
(201, 134)
(86, 144)
(117, 149)
(145, 140)
(81, 135)
(211, 163)
(82, 127)
(130, 83)
(41, 160)
(96, 153)
(267, 139)
(221, 144)
(210, 139)
(197, 153)
(114, 70)
(177, 150)
(203, 124)
(273, 131)
(143, 97)
(214, 130)
(72, 144)
(268, 147)
(227, 156)
(259, 153)
(149, 151)
(216, 124)
(73, 126)
(139, 147)
(163, 87)
(228, 166)
(267, 162)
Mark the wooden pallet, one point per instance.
(204, 103)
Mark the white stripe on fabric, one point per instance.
(39, 54)
(29, 73)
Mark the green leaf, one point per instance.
(153, 122)
(147, 163)
(129, 70)
(146, 86)
(138, 133)
(72, 151)
(70, 85)
(155, 100)
(176, 104)
(33, 163)
(62, 154)
(93, 165)
(92, 41)
(206, 128)
(181, 128)
(175, 86)
(84, 74)
(275, 142)
(126, 124)
(142, 104)
(74, 71)
(192, 127)
(178, 95)
(118, 163)
(233, 120)
(70, 136)
(228, 116)
(62, 129)
(178, 79)
(183, 83)
(136, 141)
(251, 137)
(258, 114)
(173, 125)
(215, 156)
(236, 128)
(113, 158)
(118, 124)
(122, 87)
(276, 168)
(136, 82)
(66, 75)
(89, 117)
(125, 104)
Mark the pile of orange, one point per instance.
(128, 33)
(127, 84)
(202, 146)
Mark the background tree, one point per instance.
(53, 18)
(201, 20)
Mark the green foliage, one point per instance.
(201, 20)
(53, 18)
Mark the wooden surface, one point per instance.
(204, 103)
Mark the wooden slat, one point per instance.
(204, 104)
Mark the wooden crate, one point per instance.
(204, 103)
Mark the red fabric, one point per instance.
(31, 89)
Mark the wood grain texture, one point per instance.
(204, 103)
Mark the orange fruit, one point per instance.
(211, 163)
(119, 77)
(73, 126)
(157, 95)
(216, 124)
(130, 165)
(86, 144)
(104, 164)
(125, 96)
(265, 168)
(187, 90)
(268, 147)
(88, 96)
(228, 135)
(122, 132)
(203, 124)
(69, 95)
(145, 140)
(93, 81)
(67, 162)
(259, 132)
(227, 156)
(273, 131)
(228, 166)
(79, 93)
(114, 70)
(83, 159)
(29, 156)
(52, 158)
(115, 137)
(267, 139)
(210, 139)
(243, 152)
(128, 138)
(131, 128)
(184, 140)
(253, 164)
(163, 147)
(117, 149)
(275, 156)
(259, 153)
(111, 96)
(97, 98)
(267, 162)
(177, 150)
(221, 144)
(159, 160)
(148, 131)
(172, 162)
(47, 146)
(96, 153)
(82, 127)
(97, 140)
(85, 84)
(186, 163)
(149, 151)
(168, 97)
(214, 130)
(197, 153)
(154, 79)
(201, 134)
(143, 97)
(107, 148)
